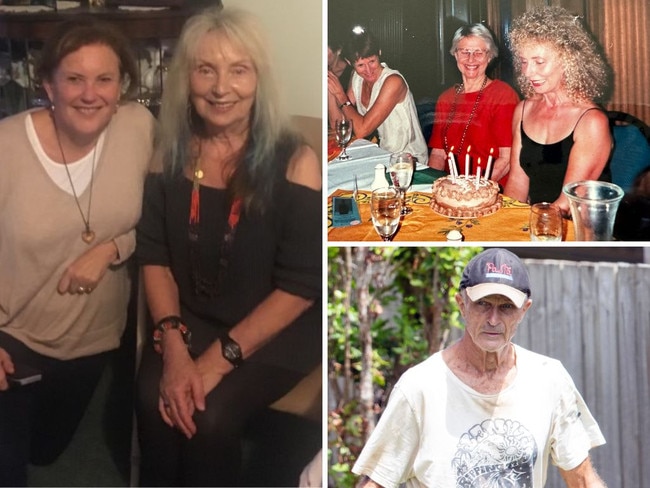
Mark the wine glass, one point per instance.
(385, 208)
(343, 134)
(401, 173)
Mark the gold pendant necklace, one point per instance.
(88, 235)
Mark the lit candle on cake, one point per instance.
(452, 164)
(467, 162)
(489, 164)
(478, 173)
(452, 169)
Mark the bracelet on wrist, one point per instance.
(170, 323)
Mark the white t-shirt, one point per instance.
(438, 432)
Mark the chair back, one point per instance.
(631, 153)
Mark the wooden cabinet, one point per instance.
(22, 34)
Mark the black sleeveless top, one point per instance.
(546, 164)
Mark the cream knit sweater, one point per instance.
(40, 235)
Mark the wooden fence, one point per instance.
(595, 318)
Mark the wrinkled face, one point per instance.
(542, 66)
(223, 84)
(472, 57)
(368, 68)
(85, 90)
(492, 321)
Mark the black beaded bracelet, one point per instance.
(168, 323)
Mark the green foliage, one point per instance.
(412, 311)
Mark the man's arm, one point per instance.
(582, 476)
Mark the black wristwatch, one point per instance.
(231, 351)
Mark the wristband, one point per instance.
(347, 103)
(169, 323)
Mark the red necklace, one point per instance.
(202, 284)
(459, 90)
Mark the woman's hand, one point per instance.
(84, 273)
(6, 367)
(562, 203)
(210, 374)
(181, 386)
(335, 88)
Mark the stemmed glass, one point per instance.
(401, 173)
(343, 134)
(385, 208)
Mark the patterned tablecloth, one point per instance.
(510, 223)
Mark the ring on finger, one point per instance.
(81, 289)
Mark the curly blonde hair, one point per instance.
(586, 72)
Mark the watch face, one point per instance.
(232, 351)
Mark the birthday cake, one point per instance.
(461, 197)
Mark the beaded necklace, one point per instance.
(459, 90)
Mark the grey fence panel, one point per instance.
(595, 318)
(642, 366)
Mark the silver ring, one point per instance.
(81, 289)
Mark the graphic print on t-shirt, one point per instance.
(494, 454)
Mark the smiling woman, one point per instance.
(472, 120)
(230, 249)
(65, 283)
(222, 68)
(378, 99)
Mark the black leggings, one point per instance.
(37, 421)
(213, 456)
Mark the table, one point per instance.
(510, 223)
(364, 156)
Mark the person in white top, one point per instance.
(484, 412)
(378, 99)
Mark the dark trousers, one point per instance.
(37, 421)
(213, 456)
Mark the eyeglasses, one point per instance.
(479, 54)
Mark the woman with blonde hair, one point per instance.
(560, 134)
(230, 249)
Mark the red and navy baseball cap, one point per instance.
(496, 272)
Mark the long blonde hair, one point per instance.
(254, 177)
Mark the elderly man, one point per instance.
(484, 412)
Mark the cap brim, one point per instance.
(482, 290)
